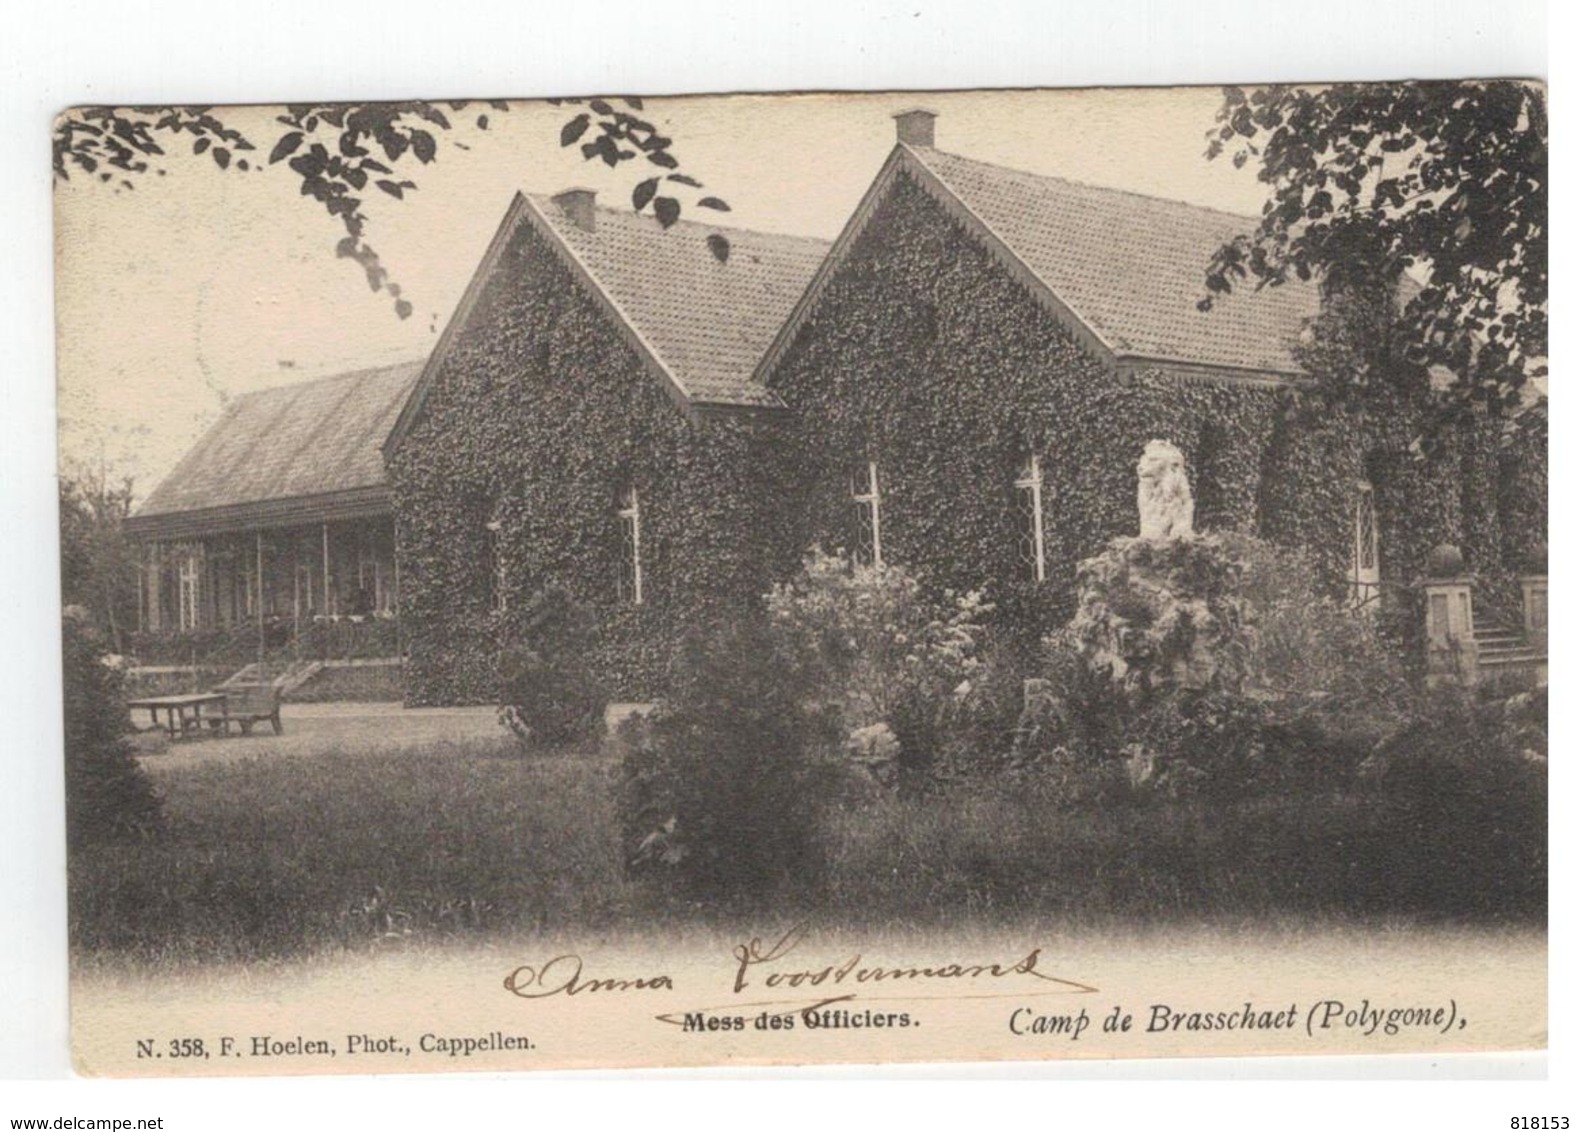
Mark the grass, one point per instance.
(1004, 854)
(271, 857)
(370, 832)
(359, 684)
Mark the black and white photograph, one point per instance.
(980, 575)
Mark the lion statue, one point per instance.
(1166, 503)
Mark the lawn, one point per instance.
(349, 831)
(367, 827)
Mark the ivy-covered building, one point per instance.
(663, 421)
(972, 375)
(588, 419)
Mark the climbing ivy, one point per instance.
(540, 417)
(925, 355)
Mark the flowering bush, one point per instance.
(1159, 615)
(1213, 667)
(874, 650)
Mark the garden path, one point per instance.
(311, 729)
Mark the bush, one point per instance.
(724, 784)
(108, 796)
(1213, 667)
(1163, 614)
(548, 692)
(1304, 644)
(1465, 791)
(871, 649)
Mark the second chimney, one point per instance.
(917, 127)
(580, 205)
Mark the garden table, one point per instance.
(181, 713)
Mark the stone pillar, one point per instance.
(1450, 651)
(155, 583)
(1534, 608)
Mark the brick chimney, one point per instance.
(580, 205)
(917, 127)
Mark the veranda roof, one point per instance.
(303, 452)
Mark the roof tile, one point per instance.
(1133, 267)
(708, 321)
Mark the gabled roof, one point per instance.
(311, 441)
(700, 323)
(708, 321)
(1123, 271)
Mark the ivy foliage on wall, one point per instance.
(928, 357)
(924, 355)
(541, 416)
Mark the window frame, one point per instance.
(867, 498)
(1031, 481)
(498, 569)
(631, 589)
(189, 574)
(1364, 560)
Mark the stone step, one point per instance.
(1511, 657)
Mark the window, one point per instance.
(369, 579)
(866, 494)
(1364, 573)
(190, 588)
(249, 585)
(498, 578)
(1028, 493)
(630, 546)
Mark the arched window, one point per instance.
(630, 546)
(866, 493)
(1364, 571)
(1029, 495)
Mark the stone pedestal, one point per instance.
(1450, 651)
(1535, 598)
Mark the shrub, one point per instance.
(1214, 667)
(723, 785)
(1305, 644)
(108, 796)
(871, 648)
(1465, 794)
(1163, 614)
(548, 692)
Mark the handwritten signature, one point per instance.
(749, 956)
(758, 963)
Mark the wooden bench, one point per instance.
(246, 704)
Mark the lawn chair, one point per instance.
(246, 704)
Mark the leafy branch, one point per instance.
(615, 133)
(345, 154)
(1445, 181)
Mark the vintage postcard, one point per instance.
(962, 576)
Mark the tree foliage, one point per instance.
(1369, 184)
(98, 563)
(613, 132)
(346, 154)
(108, 796)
